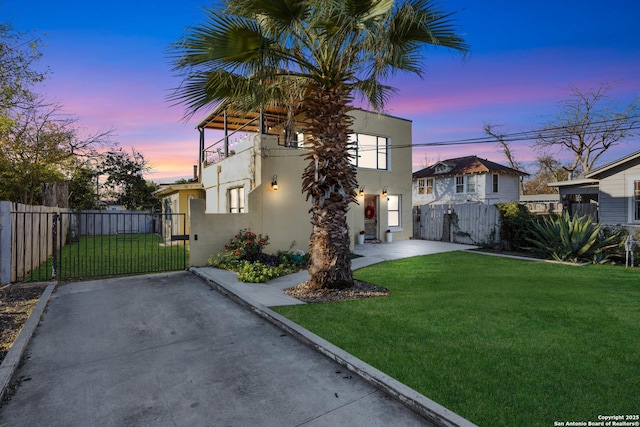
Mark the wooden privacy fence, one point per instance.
(469, 223)
(26, 238)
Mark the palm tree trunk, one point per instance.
(330, 181)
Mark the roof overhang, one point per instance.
(574, 183)
(168, 189)
(620, 162)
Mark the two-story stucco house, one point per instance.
(467, 179)
(252, 177)
(610, 193)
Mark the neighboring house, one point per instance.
(252, 178)
(467, 179)
(175, 206)
(610, 193)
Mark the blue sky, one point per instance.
(109, 67)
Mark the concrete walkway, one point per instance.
(164, 349)
(271, 295)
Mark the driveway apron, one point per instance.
(167, 350)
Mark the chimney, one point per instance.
(195, 173)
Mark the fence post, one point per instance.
(54, 242)
(5, 243)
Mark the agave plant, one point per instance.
(566, 238)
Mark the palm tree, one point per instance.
(321, 53)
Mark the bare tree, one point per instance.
(587, 125)
(548, 170)
(39, 144)
(489, 129)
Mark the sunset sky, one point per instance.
(109, 67)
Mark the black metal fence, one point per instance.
(92, 244)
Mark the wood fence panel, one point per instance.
(432, 222)
(32, 237)
(470, 223)
(476, 224)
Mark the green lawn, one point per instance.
(113, 255)
(502, 342)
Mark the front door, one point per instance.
(371, 217)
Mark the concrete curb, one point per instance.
(425, 407)
(524, 258)
(13, 357)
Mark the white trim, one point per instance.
(630, 199)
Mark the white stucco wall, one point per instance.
(283, 214)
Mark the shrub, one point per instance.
(247, 245)
(226, 260)
(515, 225)
(618, 253)
(564, 238)
(256, 272)
(244, 255)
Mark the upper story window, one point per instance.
(429, 186)
(495, 183)
(471, 183)
(371, 152)
(442, 168)
(425, 186)
(466, 184)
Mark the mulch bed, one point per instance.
(16, 304)
(359, 290)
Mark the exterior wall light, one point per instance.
(361, 191)
(274, 182)
(384, 192)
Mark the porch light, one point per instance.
(274, 182)
(384, 192)
(361, 191)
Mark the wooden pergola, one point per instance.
(231, 120)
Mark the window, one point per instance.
(429, 185)
(393, 206)
(471, 183)
(636, 200)
(495, 183)
(421, 183)
(371, 151)
(459, 184)
(236, 200)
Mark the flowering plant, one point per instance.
(247, 244)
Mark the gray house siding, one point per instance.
(616, 194)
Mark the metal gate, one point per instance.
(93, 244)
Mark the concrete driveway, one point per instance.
(167, 350)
